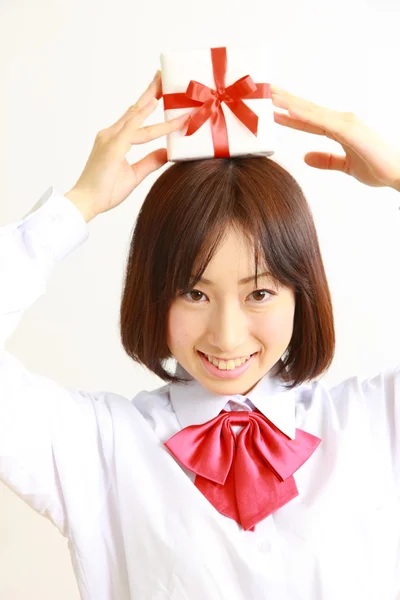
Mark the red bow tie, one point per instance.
(247, 477)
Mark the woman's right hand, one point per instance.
(108, 178)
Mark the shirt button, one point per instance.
(264, 547)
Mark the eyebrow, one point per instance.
(241, 281)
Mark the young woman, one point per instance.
(241, 478)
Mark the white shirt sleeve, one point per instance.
(48, 433)
(368, 409)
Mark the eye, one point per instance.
(185, 294)
(263, 297)
(193, 292)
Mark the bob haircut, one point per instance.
(182, 221)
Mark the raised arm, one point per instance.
(36, 412)
(50, 452)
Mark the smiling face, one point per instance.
(228, 319)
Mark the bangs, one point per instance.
(221, 200)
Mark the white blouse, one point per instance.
(137, 527)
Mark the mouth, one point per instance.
(226, 373)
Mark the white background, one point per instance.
(69, 69)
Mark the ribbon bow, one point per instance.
(249, 477)
(209, 102)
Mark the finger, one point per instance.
(326, 160)
(332, 123)
(283, 99)
(151, 132)
(326, 118)
(298, 124)
(149, 163)
(343, 127)
(335, 125)
(136, 117)
(356, 138)
(154, 90)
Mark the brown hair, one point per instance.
(178, 229)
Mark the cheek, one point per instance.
(182, 327)
(278, 327)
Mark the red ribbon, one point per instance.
(245, 478)
(209, 102)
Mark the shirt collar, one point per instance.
(194, 404)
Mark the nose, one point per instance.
(228, 328)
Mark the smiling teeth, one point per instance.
(227, 365)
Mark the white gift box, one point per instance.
(178, 68)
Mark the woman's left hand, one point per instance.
(368, 157)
